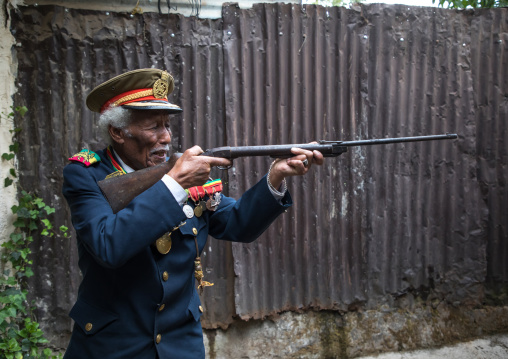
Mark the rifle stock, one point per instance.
(121, 190)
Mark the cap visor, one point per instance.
(153, 105)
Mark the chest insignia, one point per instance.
(86, 157)
(212, 189)
(114, 174)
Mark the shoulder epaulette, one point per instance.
(86, 157)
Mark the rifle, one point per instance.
(121, 190)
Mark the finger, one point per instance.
(194, 151)
(298, 166)
(296, 161)
(301, 151)
(217, 161)
(318, 159)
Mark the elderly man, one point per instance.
(138, 295)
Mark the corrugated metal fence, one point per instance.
(369, 227)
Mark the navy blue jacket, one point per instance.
(133, 301)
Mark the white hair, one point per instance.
(117, 117)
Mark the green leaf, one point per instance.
(8, 182)
(12, 172)
(20, 223)
(16, 237)
(14, 147)
(7, 156)
(49, 209)
(34, 214)
(39, 202)
(47, 223)
(28, 271)
(25, 252)
(32, 226)
(23, 213)
(22, 110)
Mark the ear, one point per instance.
(117, 134)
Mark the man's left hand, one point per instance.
(297, 165)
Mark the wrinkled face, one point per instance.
(145, 142)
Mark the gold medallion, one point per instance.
(198, 210)
(163, 244)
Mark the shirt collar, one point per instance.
(125, 167)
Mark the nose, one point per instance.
(165, 136)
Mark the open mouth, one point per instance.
(160, 154)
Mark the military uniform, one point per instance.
(138, 299)
(135, 302)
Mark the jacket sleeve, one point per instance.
(246, 219)
(113, 239)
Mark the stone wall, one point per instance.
(328, 334)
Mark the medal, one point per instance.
(198, 210)
(211, 188)
(163, 244)
(189, 212)
(213, 202)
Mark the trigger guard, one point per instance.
(224, 168)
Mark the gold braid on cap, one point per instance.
(131, 97)
(159, 90)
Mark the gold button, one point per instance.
(161, 308)
(88, 327)
(195, 231)
(165, 276)
(158, 338)
(201, 309)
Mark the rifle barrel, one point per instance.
(380, 141)
(327, 148)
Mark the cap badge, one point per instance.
(161, 86)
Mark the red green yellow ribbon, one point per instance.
(113, 161)
(209, 188)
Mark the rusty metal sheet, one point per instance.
(489, 57)
(381, 222)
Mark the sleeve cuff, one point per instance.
(276, 194)
(176, 190)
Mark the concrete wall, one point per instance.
(327, 334)
(7, 89)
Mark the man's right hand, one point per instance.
(194, 170)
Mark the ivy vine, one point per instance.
(20, 334)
